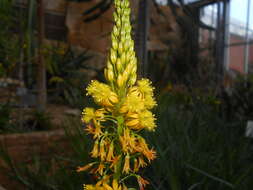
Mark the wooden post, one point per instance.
(41, 71)
(142, 36)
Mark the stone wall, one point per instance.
(95, 35)
(23, 147)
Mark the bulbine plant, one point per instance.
(119, 151)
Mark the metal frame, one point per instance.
(223, 33)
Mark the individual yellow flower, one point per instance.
(149, 102)
(136, 166)
(104, 180)
(150, 154)
(95, 130)
(100, 114)
(88, 115)
(102, 94)
(115, 185)
(143, 119)
(132, 104)
(89, 128)
(142, 147)
(102, 152)
(115, 162)
(86, 167)
(89, 187)
(145, 87)
(100, 169)
(107, 187)
(142, 182)
(95, 151)
(141, 163)
(110, 154)
(126, 167)
(147, 120)
(127, 141)
(144, 91)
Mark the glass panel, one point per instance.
(251, 16)
(209, 15)
(190, 1)
(238, 18)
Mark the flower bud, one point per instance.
(118, 23)
(115, 16)
(106, 73)
(119, 65)
(123, 58)
(120, 48)
(120, 81)
(126, 3)
(115, 32)
(126, 75)
(133, 60)
(110, 75)
(132, 79)
(113, 56)
(114, 44)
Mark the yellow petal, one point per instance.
(132, 122)
(132, 115)
(115, 184)
(107, 187)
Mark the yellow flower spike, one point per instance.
(126, 167)
(95, 151)
(125, 104)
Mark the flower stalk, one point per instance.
(119, 150)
